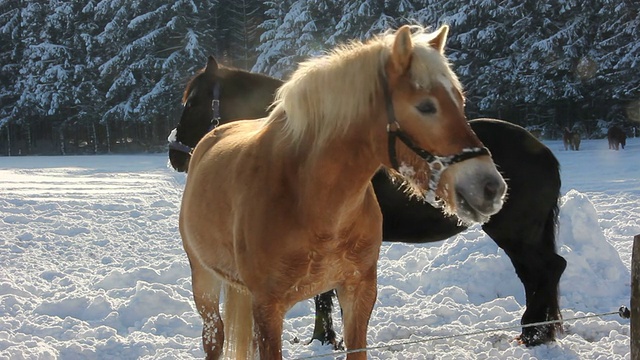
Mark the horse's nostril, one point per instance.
(491, 189)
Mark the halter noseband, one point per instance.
(174, 144)
(437, 164)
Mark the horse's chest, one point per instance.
(324, 271)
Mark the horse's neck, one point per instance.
(241, 82)
(247, 97)
(337, 177)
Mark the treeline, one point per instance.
(107, 76)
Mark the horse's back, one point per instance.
(215, 160)
(518, 152)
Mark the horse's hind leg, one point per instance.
(206, 294)
(323, 326)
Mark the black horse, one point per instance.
(525, 228)
(617, 138)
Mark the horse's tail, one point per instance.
(238, 323)
(557, 263)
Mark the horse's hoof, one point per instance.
(534, 337)
(328, 337)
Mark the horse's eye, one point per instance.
(427, 107)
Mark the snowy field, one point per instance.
(92, 267)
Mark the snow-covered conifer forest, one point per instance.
(98, 76)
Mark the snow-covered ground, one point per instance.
(92, 267)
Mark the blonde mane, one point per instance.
(325, 95)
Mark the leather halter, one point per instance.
(437, 164)
(215, 121)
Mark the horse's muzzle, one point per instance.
(479, 191)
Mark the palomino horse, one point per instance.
(571, 139)
(617, 138)
(525, 227)
(279, 210)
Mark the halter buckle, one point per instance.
(394, 123)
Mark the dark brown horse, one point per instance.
(571, 139)
(617, 138)
(525, 228)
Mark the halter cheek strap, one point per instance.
(215, 107)
(437, 164)
(174, 144)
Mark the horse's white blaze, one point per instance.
(173, 136)
(192, 94)
(446, 83)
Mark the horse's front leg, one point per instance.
(268, 318)
(540, 274)
(323, 327)
(357, 297)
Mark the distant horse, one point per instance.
(525, 228)
(279, 210)
(617, 138)
(571, 139)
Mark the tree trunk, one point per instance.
(94, 136)
(29, 138)
(8, 140)
(61, 133)
(108, 133)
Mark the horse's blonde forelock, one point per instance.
(325, 95)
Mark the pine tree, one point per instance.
(10, 57)
(44, 66)
(101, 71)
(275, 40)
(163, 44)
(240, 20)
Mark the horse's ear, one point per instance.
(212, 65)
(440, 39)
(402, 50)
